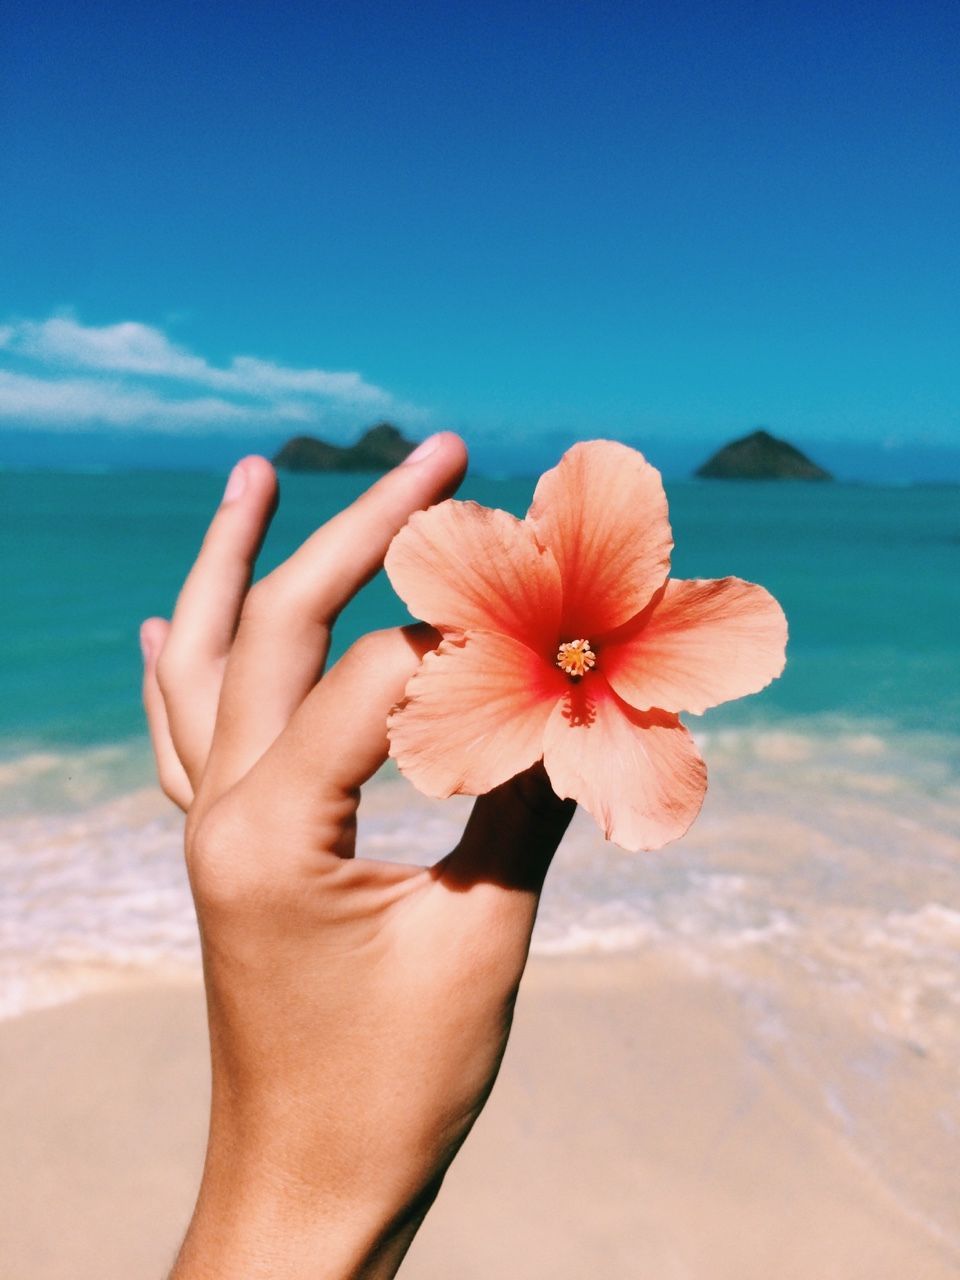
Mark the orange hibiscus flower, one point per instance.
(564, 641)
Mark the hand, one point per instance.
(358, 1010)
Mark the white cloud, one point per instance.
(261, 377)
(73, 402)
(122, 364)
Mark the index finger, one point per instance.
(328, 570)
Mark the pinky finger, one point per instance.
(172, 776)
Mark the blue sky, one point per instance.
(529, 222)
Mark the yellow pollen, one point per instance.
(576, 658)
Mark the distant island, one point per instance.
(760, 456)
(378, 449)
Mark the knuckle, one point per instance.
(395, 653)
(225, 878)
(371, 645)
(373, 648)
(262, 602)
(181, 667)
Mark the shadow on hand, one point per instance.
(511, 837)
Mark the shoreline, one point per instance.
(829, 848)
(635, 1107)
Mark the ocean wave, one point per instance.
(831, 846)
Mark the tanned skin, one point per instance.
(358, 1010)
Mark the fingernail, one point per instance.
(236, 483)
(423, 450)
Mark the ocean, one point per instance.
(823, 874)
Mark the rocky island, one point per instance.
(760, 456)
(381, 447)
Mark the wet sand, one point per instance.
(636, 1131)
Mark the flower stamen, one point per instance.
(575, 658)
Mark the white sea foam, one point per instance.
(832, 848)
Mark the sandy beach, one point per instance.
(635, 1131)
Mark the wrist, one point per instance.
(275, 1228)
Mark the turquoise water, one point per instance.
(868, 577)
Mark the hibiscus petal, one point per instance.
(464, 567)
(704, 641)
(637, 772)
(602, 512)
(474, 714)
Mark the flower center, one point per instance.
(575, 657)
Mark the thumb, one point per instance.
(511, 837)
(337, 738)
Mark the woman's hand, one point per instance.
(358, 1010)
